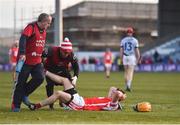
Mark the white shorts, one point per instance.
(108, 66)
(129, 60)
(76, 104)
(13, 64)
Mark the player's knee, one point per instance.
(57, 93)
(65, 80)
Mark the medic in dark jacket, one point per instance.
(31, 46)
(59, 60)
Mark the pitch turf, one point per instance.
(162, 90)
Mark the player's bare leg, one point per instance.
(61, 80)
(129, 71)
(126, 75)
(58, 95)
(130, 76)
(107, 72)
(14, 73)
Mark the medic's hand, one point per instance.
(74, 79)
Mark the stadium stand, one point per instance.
(170, 48)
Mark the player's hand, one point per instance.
(74, 80)
(22, 57)
(139, 61)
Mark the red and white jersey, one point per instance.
(96, 103)
(91, 104)
(108, 58)
(13, 52)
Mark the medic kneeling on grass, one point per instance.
(70, 99)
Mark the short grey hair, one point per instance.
(43, 16)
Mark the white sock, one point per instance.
(128, 84)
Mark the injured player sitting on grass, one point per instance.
(70, 99)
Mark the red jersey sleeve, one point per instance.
(28, 30)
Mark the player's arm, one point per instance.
(75, 67)
(121, 50)
(47, 52)
(23, 39)
(121, 53)
(137, 53)
(22, 44)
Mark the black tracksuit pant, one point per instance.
(24, 87)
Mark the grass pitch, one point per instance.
(162, 90)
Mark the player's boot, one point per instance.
(128, 89)
(107, 76)
(51, 106)
(14, 109)
(26, 101)
(32, 106)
